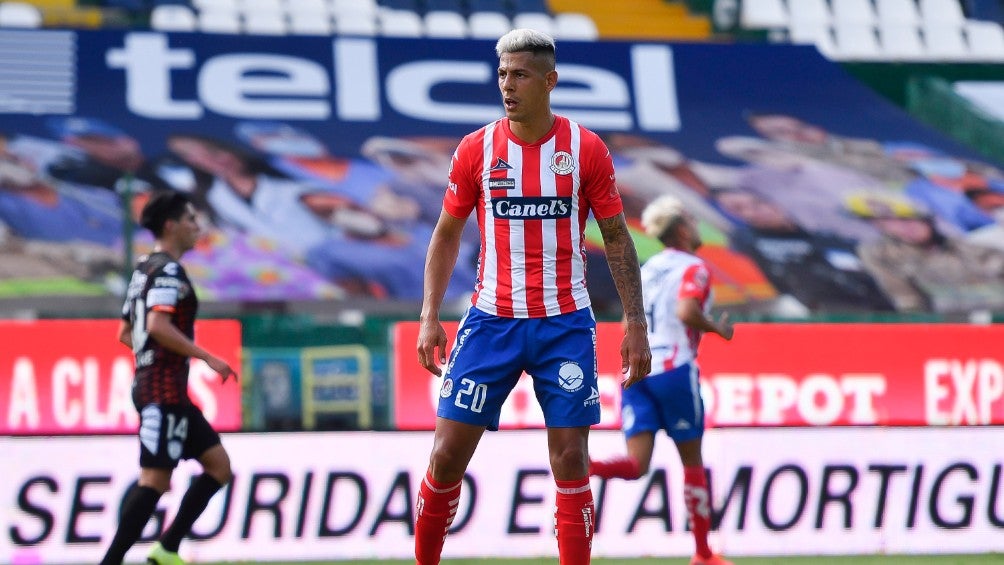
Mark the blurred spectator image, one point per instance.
(942, 184)
(106, 157)
(921, 269)
(54, 229)
(299, 155)
(864, 155)
(818, 269)
(811, 191)
(339, 239)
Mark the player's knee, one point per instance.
(571, 461)
(446, 466)
(218, 467)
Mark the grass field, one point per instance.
(985, 559)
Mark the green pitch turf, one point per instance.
(986, 559)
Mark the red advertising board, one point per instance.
(74, 377)
(786, 375)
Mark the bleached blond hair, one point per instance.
(527, 40)
(661, 215)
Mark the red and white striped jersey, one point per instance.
(666, 278)
(532, 201)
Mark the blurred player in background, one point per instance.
(158, 324)
(533, 178)
(677, 291)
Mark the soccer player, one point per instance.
(158, 322)
(532, 177)
(676, 286)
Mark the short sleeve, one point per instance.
(696, 282)
(598, 179)
(462, 189)
(163, 293)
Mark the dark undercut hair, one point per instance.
(163, 206)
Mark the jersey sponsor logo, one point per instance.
(171, 269)
(168, 282)
(149, 428)
(500, 165)
(562, 163)
(162, 297)
(501, 184)
(532, 208)
(570, 376)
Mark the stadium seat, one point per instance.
(403, 5)
(763, 14)
(856, 41)
(349, 23)
(900, 42)
(19, 14)
(309, 23)
(853, 12)
(445, 24)
(265, 23)
(488, 25)
(313, 7)
(574, 26)
(399, 23)
(944, 42)
(986, 40)
(941, 12)
(813, 33)
(809, 12)
(534, 20)
(173, 17)
(362, 7)
(219, 21)
(897, 12)
(216, 5)
(265, 6)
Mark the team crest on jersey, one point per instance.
(562, 163)
(447, 388)
(500, 165)
(570, 376)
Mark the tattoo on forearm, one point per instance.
(622, 260)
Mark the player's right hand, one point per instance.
(432, 347)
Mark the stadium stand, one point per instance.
(19, 14)
(445, 23)
(488, 24)
(173, 17)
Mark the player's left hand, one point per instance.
(221, 367)
(636, 357)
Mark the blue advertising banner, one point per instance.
(320, 164)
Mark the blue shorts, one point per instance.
(491, 353)
(668, 401)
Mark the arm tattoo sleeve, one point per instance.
(623, 262)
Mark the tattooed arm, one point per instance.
(636, 358)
